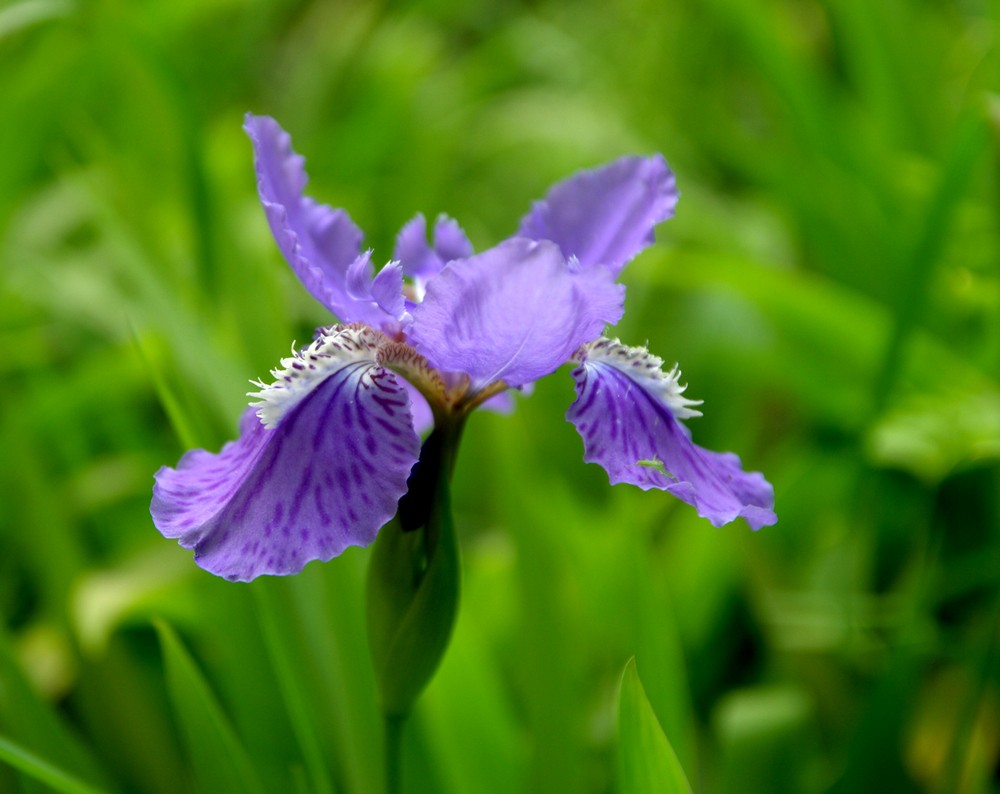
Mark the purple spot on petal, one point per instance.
(324, 517)
(363, 421)
(388, 427)
(344, 484)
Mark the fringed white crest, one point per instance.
(333, 348)
(641, 366)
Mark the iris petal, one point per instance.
(412, 250)
(320, 243)
(419, 259)
(450, 241)
(384, 289)
(628, 410)
(513, 313)
(326, 474)
(605, 216)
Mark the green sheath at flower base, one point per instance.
(413, 584)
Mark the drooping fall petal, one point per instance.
(319, 467)
(628, 411)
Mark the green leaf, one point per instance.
(20, 16)
(331, 650)
(830, 332)
(646, 761)
(763, 734)
(151, 358)
(220, 762)
(279, 648)
(970, 144)
(41, 770)
(29, 720)
(467, 708)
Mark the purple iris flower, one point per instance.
(325, 451)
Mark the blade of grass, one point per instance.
(975, 703)
(879, 54)
(552, 674)
(327, 601)
(219, 759)
(27, 718)
(468, 724)
(826, 329)
(767, 38)
(968, 146)
(278, 646)
(658, 649)
(39, 769)
(183, 427)
(646, 761)
(20, 16)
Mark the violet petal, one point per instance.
(628, 410)
(450, 241)
(418, 258)
(605, 216)
(325, 476)
(320, 243)
(423, 416)
(412, 250)
(513, 313)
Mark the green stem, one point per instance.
(393, 724)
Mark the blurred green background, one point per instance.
(830, 287)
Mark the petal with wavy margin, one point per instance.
(324, 474)
(628, 412)
(605, 216)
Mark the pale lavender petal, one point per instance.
(605, 216)
(358, 277)
(450, 241)
(502, 403)
(628, 410)
(423, 417)
(513, 313)
(387, 290)
(326, 474)
(421, 261)
(320, 243)
(384, 290)
(412, 250)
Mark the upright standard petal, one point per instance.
(320, 467)
(419, 259)
(513, 313)
(384, 289)
(605, 216)
(628, 410)
(320, 243)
